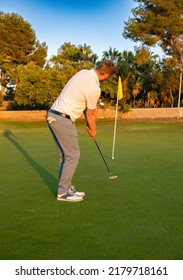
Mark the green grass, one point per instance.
(137, 216)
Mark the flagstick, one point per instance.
(115, 123)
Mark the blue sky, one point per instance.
(98, 23)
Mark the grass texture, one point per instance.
(139, 216)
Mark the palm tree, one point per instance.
(86, 54)
(112, 54)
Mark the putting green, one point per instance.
(137, 216)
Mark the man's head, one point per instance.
(106, 69)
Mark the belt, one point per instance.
(60, 114)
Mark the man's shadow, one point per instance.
(46, 176)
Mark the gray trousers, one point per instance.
(66, 138)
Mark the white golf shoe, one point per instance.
(72, 190)
(70, 197)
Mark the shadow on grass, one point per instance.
(46, 176)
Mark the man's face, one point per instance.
(103, 77)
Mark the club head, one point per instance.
(113, 177)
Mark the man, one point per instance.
(79, 95)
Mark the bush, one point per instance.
(37, 87)
(124, 107)
(14, 106)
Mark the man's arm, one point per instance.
(90, 116)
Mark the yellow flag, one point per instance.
(120, 90)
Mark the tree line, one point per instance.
(30, 81)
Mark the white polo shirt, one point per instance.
(82, 91)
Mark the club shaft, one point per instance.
(102, 156)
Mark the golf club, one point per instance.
(111, 177)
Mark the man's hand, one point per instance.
(92, 133)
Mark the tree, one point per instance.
(86, 54)
(18, 42)
(147, 70)
(111, 54)
(179, 56)
(127, 71)
(169, 87)
(158, 22)
(38, 88)
(71, 59)
(77, 54)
